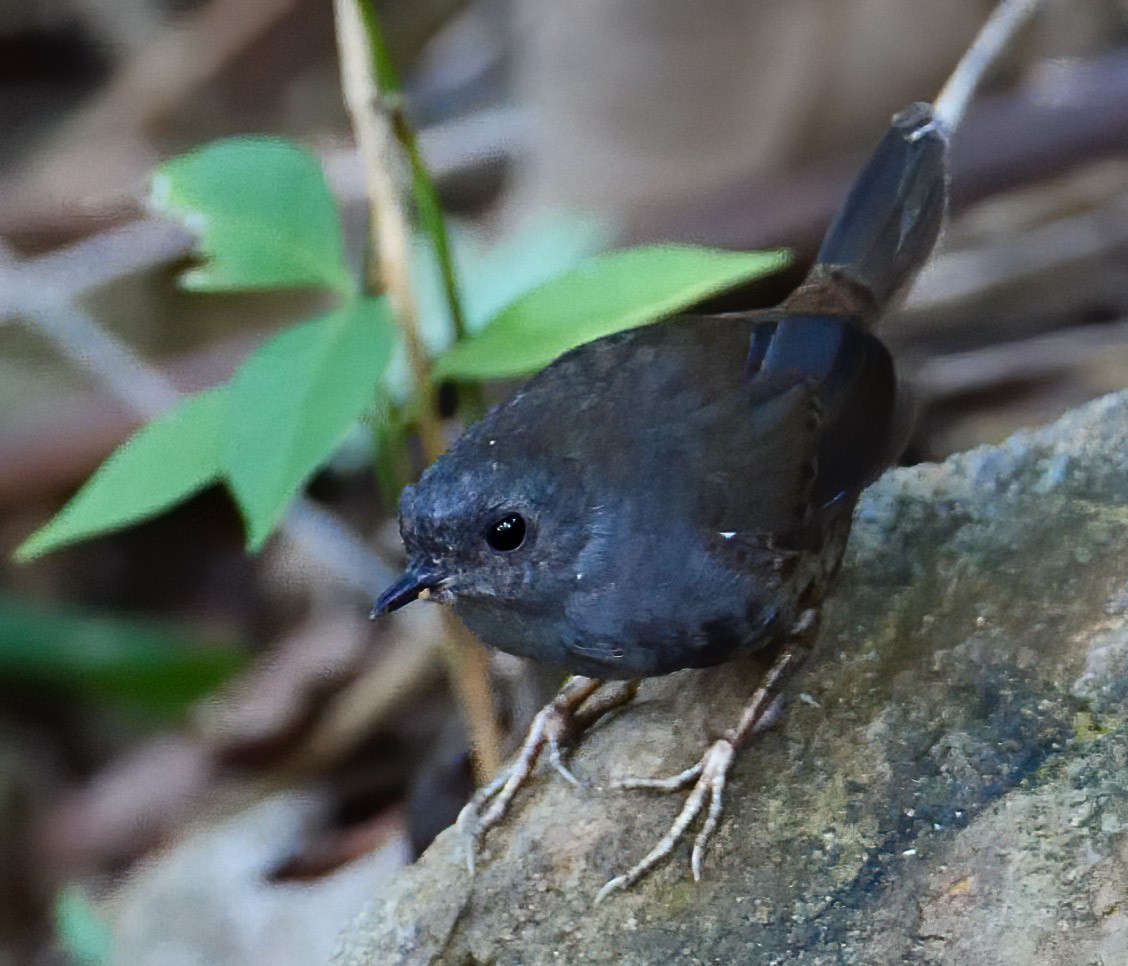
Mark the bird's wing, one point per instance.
(816, 423)
(851, 377)
(740, 424)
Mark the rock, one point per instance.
(949, 783)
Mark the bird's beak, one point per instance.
(408, 588)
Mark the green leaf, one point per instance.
(264, 214)
(165, 462)
(616, 291)
(148, 665)
(296, 398)
(83, 932)
(495, 276)
(536, 253)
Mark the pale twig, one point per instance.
(389, 271)
(322, 536)
(69, 273)
(951, 103)
(93, 349)
(955, 374)
(382, 690)
(957, 286)
(389, 251)
(166, 72)
(469, 665)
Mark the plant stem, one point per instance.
(387, 264)
(423, 186)
(391, 103)
(388, 269)
(993, 38)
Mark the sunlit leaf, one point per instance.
(263, 213)
(295, 399)
(165, 462)
(612, 292)
(492, 277)
(533, 255)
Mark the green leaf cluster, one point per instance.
(266, 219)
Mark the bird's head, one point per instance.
(488, 524)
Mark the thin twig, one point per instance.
(389, 259)
(992, 39)
(422, 184)
(69, 273)
(389, 271)
(955, 374)
(89, 347)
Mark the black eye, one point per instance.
(507, 534)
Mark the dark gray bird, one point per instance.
(671, 496)
(666, 497)
(653, 501)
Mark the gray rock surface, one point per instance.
(949, 784)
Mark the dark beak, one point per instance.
(403, 592)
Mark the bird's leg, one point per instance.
(709, 775)
(576, 707)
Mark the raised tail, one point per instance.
(886, 229)
(880, 239)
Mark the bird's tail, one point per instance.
(881, 237)
(886, 229)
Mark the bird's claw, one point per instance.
(708, 777)
(553, 725)
(490, 803)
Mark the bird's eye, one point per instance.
(507, 534)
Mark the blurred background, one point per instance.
(218, 758)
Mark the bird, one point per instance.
(678, 494)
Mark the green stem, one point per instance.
(422, 184)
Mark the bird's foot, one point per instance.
(574, 708)
(708, 778)
(709, 775)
